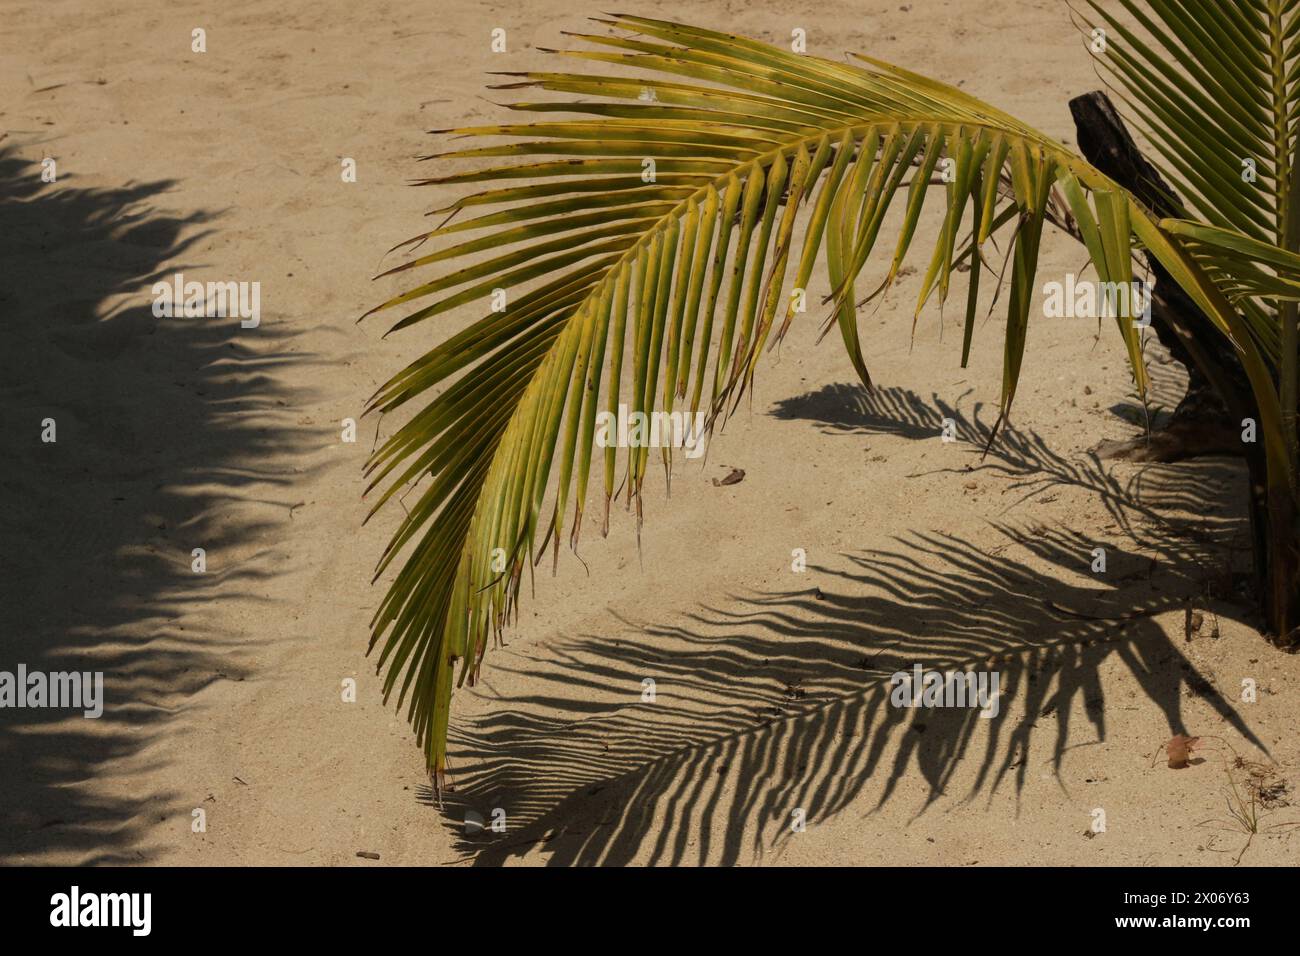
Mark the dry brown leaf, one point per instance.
(735, 477)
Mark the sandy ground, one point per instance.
(224, 689)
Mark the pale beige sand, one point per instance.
(224, 690)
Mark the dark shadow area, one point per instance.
(158, 422)
(777, 701)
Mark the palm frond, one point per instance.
(1215, 87)
(661, 290)
(1244, 268)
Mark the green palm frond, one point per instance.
(662, 290)
(1245, 269)
(1216, 89)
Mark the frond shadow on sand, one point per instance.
(779, 700)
